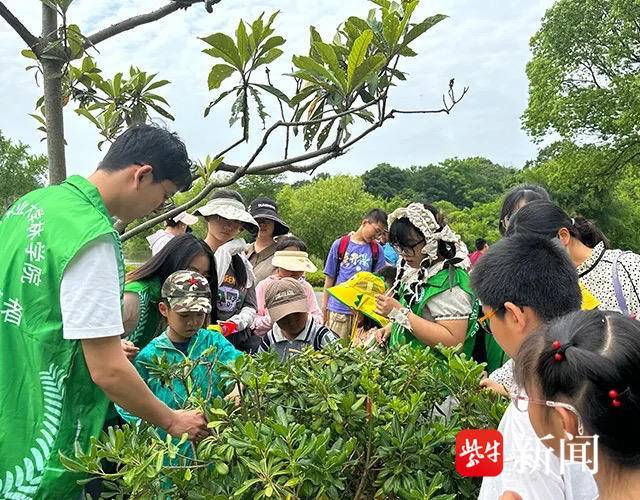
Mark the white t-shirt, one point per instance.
(90, 293)
(532, 470)
(158, 240)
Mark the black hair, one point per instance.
(388, 274)
(377, 216)
(600, 352)
(177, 255)
(544, 218)
(401, 233)
(291, 241)
(528, 271)
(171, 223)
(154, 146)
(480, 243)
(523, 193)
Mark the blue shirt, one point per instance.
(390, 254)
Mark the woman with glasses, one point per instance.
(142, 320)
(226, 216)
(582, 375)
(432, 302)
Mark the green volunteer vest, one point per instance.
(436, 284)
(49, 402)
(148, 326)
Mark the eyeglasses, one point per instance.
(490, 315)
(521, 402)
(408, 251)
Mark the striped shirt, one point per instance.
(313, 335)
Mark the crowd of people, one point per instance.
(77, 334)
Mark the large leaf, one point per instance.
(158, 84)
(310, 65)
(256, 30)
(420, 28)
(218, 74)
(217, 100)
(328, 56)
(243, 42)
(161, 111)
(268, 58)
(274, 41)
(391, 29)
(261, 110)
(273, 91)
(357, 55)
(368, 68)
(303, 94)
(225, 48)
(86, 114)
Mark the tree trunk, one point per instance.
(52, 72)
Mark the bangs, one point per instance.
(402, 232)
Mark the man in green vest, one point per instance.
(61, 282)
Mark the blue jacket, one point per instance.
(175, 394)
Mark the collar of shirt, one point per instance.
(590, 263)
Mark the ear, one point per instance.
(142, 173)
(568, 420)
(564, 236)
(163, 308)
(516, 316)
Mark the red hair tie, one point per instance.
(557, 346)
(613, 396)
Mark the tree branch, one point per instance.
(133, 22)
(30, 39)
(446, 108)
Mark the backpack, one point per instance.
(342, 250)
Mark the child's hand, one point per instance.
(494, 386)
(382, 334)
(130, 350)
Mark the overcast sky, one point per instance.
(483, 44)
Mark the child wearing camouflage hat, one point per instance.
(185, 303)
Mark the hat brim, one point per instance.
(366, 303)
(231, 213)
(187, 219)
(294, 264)
(297, 306)
(280, 227)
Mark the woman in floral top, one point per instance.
(611, 276)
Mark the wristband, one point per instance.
(401, 317)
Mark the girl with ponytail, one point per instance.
(582, 377)
(611, 276)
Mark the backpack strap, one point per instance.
(617, 285)
(375, 254)
(342, 251)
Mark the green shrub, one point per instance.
(337, 423)
(315, 279)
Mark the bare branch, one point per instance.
(133, 22)
(30, 39)
(234, 145)
(447, 107)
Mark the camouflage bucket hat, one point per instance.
(187, 291)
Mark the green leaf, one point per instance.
(268, 58)
(273, 91)
(271, 43)
(391, 29)
(243, 42)
(420, 28)
(218, 99)
(222, 468)
(225, 48)
(157, 84)
(161, 111)
(261, 110)
(357, 55)
(313, 67)
(88, 115)
(303, 94)
(328, 56)
(117, 80)
(369, 67)
(218, 74)
(324, 134)
(407, 52)
(256, 30)
(28, 54)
